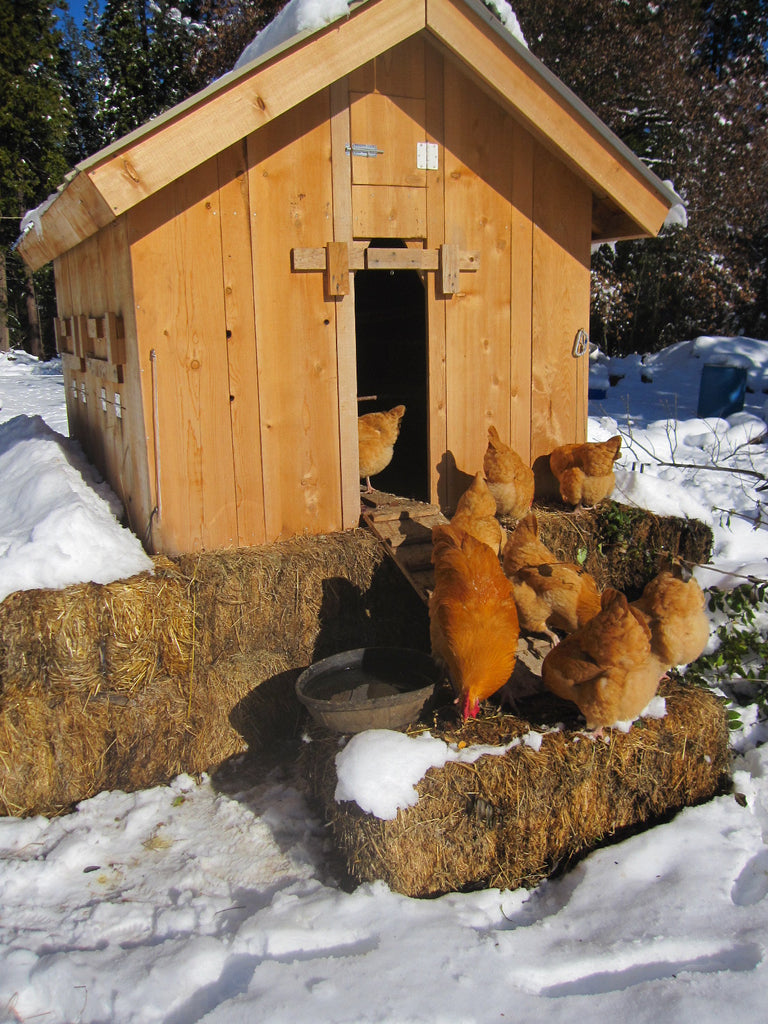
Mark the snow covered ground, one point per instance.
(189, 902)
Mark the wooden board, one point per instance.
(244, 400)
(561, 261)
(388, 211)
(92, 280)
(404, 528)
(436, 301)
(177, 262)
(521, 272)
(394, 125)
(218, 117)
(552, 118)
(346, 350)
(291, 196)
(478, 184)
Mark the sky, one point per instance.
(76, 9)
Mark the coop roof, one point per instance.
(628, 199)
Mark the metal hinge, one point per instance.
(426, 156)
(364, 149)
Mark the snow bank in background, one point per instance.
(57, 523)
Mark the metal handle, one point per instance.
(580, 343)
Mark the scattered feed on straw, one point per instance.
(514, 819)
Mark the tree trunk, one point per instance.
(34, 345)
(5, 336)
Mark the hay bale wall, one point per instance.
(514, 819)
(125, 685)
(622, 546)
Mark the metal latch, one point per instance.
(364, 149)
(580, 343)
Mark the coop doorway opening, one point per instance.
(391, 340)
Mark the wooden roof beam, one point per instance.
(222, 115)
(550, 112)
(77, 212)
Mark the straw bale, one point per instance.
(515, 819)
(89, 636)
(619, 545)
(125, 685)
(317, 595)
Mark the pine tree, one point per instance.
(129, 78)
(34, 121)
(230, 27)
(683, 83)
(83, 76)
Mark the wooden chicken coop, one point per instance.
(396, 208)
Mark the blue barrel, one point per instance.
(721, 390)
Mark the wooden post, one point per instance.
(115, 338)
(79, 336)
(449, 269)
(337, 268)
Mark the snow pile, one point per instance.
(57, 523)
(297, 16)
(379, 768)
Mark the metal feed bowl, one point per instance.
(368, 688)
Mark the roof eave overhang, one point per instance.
(117, 178)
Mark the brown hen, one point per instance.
(509, 479)
(472, 617)
(674, 612)
(549, 594)
(476, 514)
(585, 471)
(557, 595)
(523, 548)
(376, 436)
(607, 667)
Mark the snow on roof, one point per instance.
(309, 15)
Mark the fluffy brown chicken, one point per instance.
(472, 617)
(376, 436)
(476, 514)
(674, 612)
(548, 594)
(523, 548)
(585, 471)
(607, 667)
(555, 595)
(509, 480)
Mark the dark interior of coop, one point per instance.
(391, 342)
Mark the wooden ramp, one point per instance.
(404, 527)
